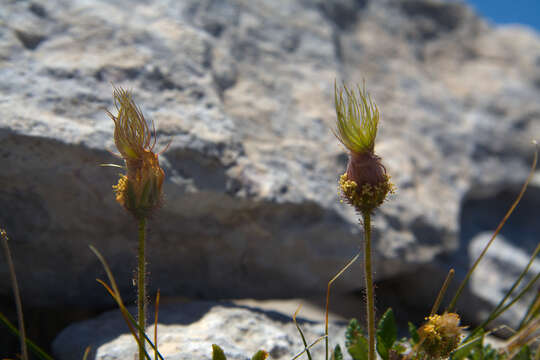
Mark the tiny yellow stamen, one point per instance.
(369, 197)
(440, 335)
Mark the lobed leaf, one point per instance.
(386, 333)
(359, 350)
(337, 354)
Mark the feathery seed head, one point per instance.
(140, 190)
(365, 184)
(357, 119)
(132, 135)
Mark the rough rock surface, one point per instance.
(244, 90)
(188, 332)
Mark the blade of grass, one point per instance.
(498, 311)
(514, 351)
(309, 347)
(33, 347)
(86, 353)
(518, 280)
(148, 340)
(497, 230)
(130, 320)
(16, 294)
(123, 310)
(328, 299)
(440, 296)
(115, 294)
(107, 270)
(518, 296)
(532, 311)
(524, 336)
(501, 308)
(300, 331)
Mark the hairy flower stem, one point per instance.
(141, 287)
(369, 285)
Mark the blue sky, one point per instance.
(525, 12)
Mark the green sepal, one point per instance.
(260, 355)
(217, 353)
(386, 333)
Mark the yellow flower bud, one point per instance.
(440, 335)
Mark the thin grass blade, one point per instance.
(16, 294)
(86, 353)
(300, 331)
(31, 345)
(497, 230)
(328, 299)
(309, 347)
(532, 311)
(115, 293)
(440, 296)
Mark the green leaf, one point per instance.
(415, 339)
(382, 349)
(217, 353)
(260, 355)
(355, 341)
(359, 350)
(337, 354)
(386, 333)
(524, 353)
(353, 332)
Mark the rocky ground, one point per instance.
(243, 90)
(188, 331)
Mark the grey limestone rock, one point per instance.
(244, 92)
(188, 331)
